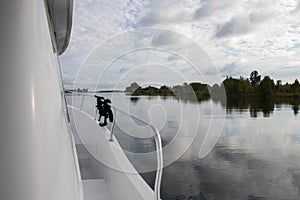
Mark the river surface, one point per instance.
(213, 151)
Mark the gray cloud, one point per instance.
(298, 6)
(123, 70)
(171, 39)
(297, 9)
(229, 68)
(165, 38)
(234, 69)
(236, 26)
(240, 25)
(167, 11)
(156, 17)
(173, 58)
(210, 7)
(150, 20)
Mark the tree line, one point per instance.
(253, 86)
(191, 91)
(264, 88)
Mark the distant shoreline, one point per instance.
(101, 91)
(254, 87)
(109, 91)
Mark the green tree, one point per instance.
(133, 88)
(198, 86)
(151, 91)
(266, 87)
(165, 91)
(254, 78)
(245, 87)
(295, 87)
(231, 86)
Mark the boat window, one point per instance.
(60, 12)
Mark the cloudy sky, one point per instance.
(236, 36)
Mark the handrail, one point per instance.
(158, 144)
(157, 138)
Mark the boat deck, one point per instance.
(94, 187)
(105, 170)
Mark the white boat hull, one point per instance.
(38, 161)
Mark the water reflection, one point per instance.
(257, 105)
(230, 174)
(296, 109)
(134, 100)
(253, 104)
(256, 157)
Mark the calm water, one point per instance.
(250, 151)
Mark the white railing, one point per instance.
(157, 138)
